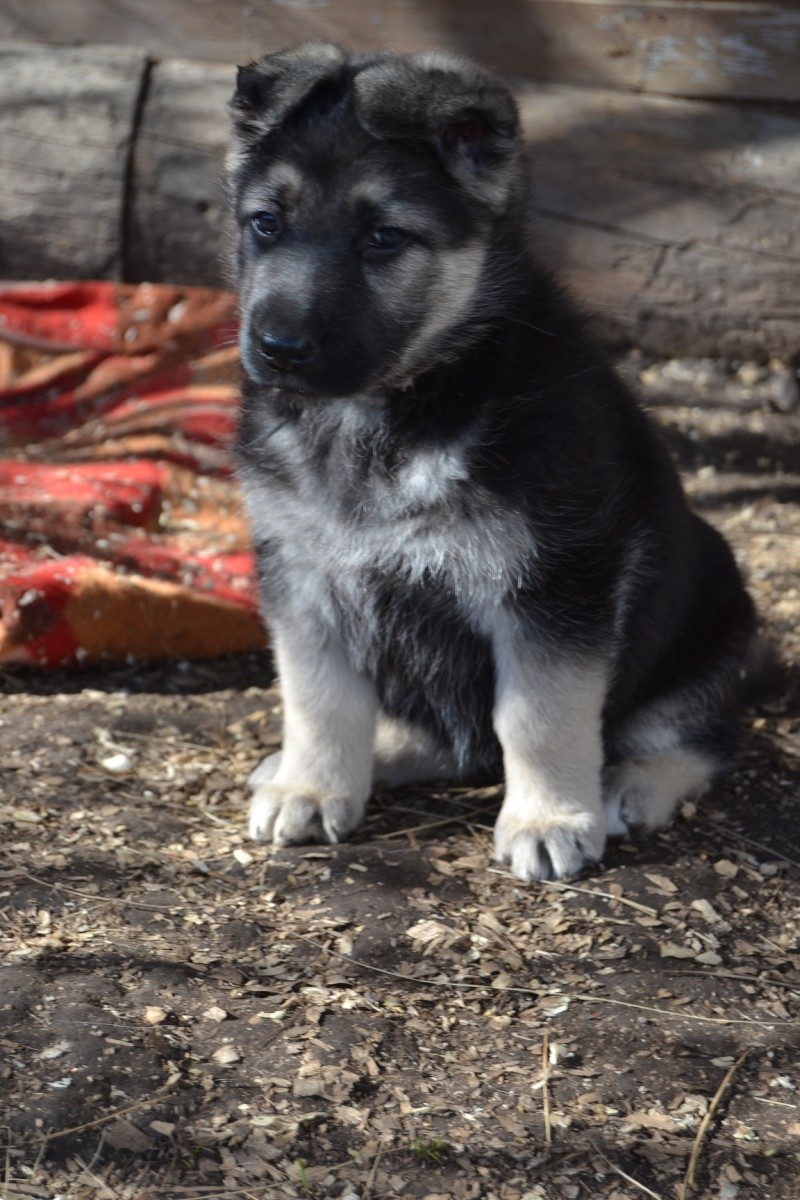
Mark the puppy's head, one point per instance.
(366, 194)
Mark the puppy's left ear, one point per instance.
(467, 115)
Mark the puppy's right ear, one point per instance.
(269, 89)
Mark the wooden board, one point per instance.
(742, 48)
(66, 118)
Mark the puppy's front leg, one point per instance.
(322, 782)
(547, 717)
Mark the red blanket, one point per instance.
(122, 536)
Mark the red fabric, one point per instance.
(122, 533)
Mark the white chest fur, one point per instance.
(423, 522)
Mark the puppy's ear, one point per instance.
(268, 90)
(463, 111)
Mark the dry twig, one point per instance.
(373, 1170)
(624, 1175)
(569, 887)
(702, 1129)
(548, 1128)
(112, 1116)
(101, 899)
(709, 828)
(457, 819)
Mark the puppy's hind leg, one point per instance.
(402, 754)
(405, 754)
(659, 764)
(644, 794)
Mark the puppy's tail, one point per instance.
(766, 676)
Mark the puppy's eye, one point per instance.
(266, 226)
(385, 243)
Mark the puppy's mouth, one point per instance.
(272, 371)
(288, 362)
(307, 377)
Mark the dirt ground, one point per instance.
(185, 1015)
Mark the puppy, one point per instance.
(474, 552)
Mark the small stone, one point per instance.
(671, 950)
(709, 958)
(750, 374)
(123, 1135)
(226, 1055)
(783, 391)
(56, 1050)
(165, 1128)
(557, 1052)
(116, 764)
(154, 1015)
(706, 911)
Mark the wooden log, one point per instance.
(741, 48)
(177, 206)
(675, 222)
(66, 117)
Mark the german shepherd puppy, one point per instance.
(474, 551)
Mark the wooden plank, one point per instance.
(742, 48)
(66, 117)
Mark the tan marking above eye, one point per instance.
(280, 186)
(375, 192)
(286, 177)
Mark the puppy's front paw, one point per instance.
(288, 815)
(549, 848)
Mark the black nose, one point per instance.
(286, 353)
